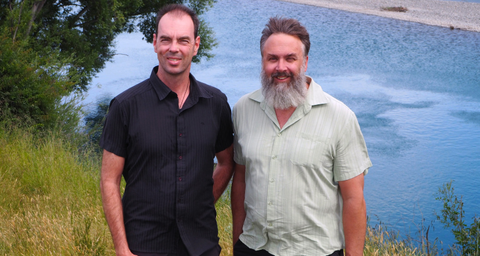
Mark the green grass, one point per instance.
(50, 202)
(49, 198)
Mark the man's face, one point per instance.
(283, 71)
(175, 44)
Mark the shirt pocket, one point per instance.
(309, 150)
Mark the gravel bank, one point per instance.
(458, 15)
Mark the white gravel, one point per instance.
(458, 15)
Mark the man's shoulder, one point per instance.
(331, 103)
(250, 98)
(133, 91)
(211, 90)
(334, 102)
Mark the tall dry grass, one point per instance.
(50, 202)
(49, 198)
(224, 222)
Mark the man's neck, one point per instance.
(283, 115)
(180, 84)
(176, 83)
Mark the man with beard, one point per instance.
(162, 135)
(301, 158)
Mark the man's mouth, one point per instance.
(281, 76)
(174, 59)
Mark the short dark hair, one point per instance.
(287, 26)
(178, 9)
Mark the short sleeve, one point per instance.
(114, 135)
(225, 132)
(351, 152)
(237, 149)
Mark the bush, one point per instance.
(32, 87)
(453, 216)
(94, 123)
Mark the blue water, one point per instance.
(415, 90)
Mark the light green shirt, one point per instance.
(292, 197)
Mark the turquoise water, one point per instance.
(415, 90)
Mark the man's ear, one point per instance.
(197, 45)
(154, 42)
(306, 63)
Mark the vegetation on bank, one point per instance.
(50, 203)
(394, 9)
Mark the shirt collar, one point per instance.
(315, 96)
(162, 90)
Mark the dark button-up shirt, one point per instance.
(169, 156)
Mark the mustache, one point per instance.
(285, 73)
(173, 55)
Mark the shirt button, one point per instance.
(180, 157)
(270, 203)
(272, 180)
(180, 179)
(180, 135)
(269, 224)
(274, 157)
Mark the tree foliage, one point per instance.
(85, 30)
(31, 85)
(453, 216)
(50, 49)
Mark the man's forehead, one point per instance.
(177, 23)
(283, 44)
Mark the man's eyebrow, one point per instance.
(179, 38)
(288, 55)
(184, 37)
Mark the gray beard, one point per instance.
(284, 95)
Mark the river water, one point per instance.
(415, 90)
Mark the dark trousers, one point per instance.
(240, 249)
(182, 251)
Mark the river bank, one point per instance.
(455, 15)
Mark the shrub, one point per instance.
(453, 216)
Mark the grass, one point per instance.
(50, 203)
(224, 222)
(49, 198)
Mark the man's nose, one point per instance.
(281, 65)
(174, 46)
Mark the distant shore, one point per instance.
(451, 14)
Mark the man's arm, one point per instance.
(237, 201)
(223, 172)
(354, 215)
(111, 175)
